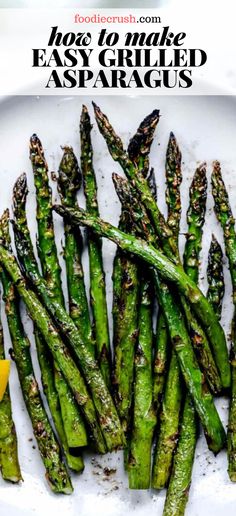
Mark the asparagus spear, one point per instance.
(125, 337)
(163, 231)
(179, 485)
(169, 420)
(140, 144)
(173, 182)
(144, 419)
(49, 449)
(174, 273)
(161, 360)
(73, 426)
(97, 276)
(9, 463)
(215, 277)
(46, 240)
(117, 274)
(180, 480)
(143, 410)
(69, 182)
(178, 489)
(74, 462)
(169, 426)
(125, 331)
(195, 219)
(71, 416)
(126, 282)
(224, 215)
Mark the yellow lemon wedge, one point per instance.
(4, 376)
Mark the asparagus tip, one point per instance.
(216, 166)
(95, 106)
(84, 109)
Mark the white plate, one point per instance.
(205, 128)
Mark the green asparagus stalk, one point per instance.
(141, 435)
(170, 414)
(195, 219)
(173, 182)
(144, 419)
(49, 449)
(117, 274)
(69, 182)
(215, 277)
(9, 463)
(46, 239)
(74, 462)
(58, 349)
(97, 276)
(126, 282)
(125, 338)
(71, 416)
(161, 360)
(180, 480)
(103, 403)
(72, 423)
(224, 215)
(174, 273)
(169, 426)
(125, 331)
(162, 229)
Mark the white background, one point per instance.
(207, 27)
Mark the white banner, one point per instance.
(117, 51)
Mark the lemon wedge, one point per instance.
(4, 376)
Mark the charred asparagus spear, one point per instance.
(125, 336)
(180, 480)
(163, 231)
(171, 405)
(144, 419)
(56, 473)
(174, 273)
(215, 277)
(178, 489)
(179, 485)
(126, 283)
(103, 403)
(195, 219)
(71, 416)
(224, 215)
(72, 423)
(69, 182)
(75, 462)
(97, 276)
(9, 463)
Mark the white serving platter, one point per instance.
(205, 128)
